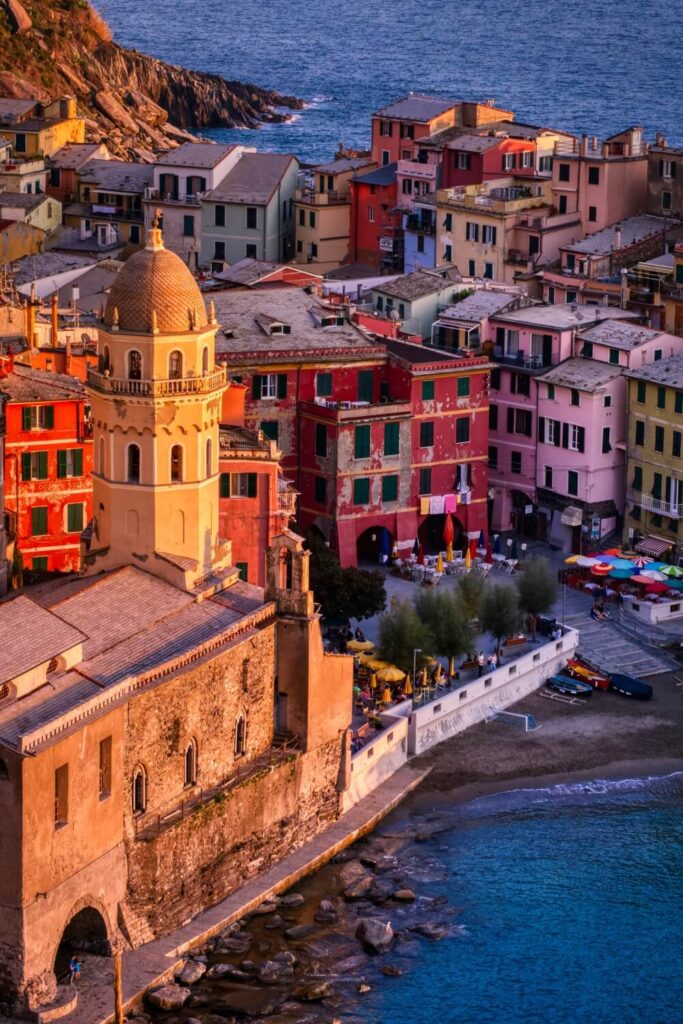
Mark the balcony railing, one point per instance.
(331, 409)
(330, 197)
(424, 227)
(180, 199)
(156, 388)
(671, 509)
(520, 360)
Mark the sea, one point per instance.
(589, 66)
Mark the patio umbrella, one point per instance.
(416, 547)
(386, 695)
(438, 675)
(473, 546)
(572, 560)
(439, 564)
(373, 681)
(408, 686)
(488, 557)
(620, 574)
(481, 543)
(451, 668)
(390, 674)
(657, 588)
(423, 676)
(468, 559)
(601, 569)
(496, 544)
(643, 581)
(384, 542)
(358, 646)
(613, 551)
(585, 562)
(641, 561)
(448, 529)
(672, 571)
(513, 550)
(675, 584)
(653, 574)
(622, 563)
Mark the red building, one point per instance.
(48, 466)
(376, 228)
(397, 128)
(473, 159)
(381, 437)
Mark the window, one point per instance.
(606, 444)
(386, 155)
(488, 270)
(676, 444)
(571, 296)
(134, 234)
(552, 432)
(575, 397)
(425, 480)
(420, 243)
(592, 213)
(39, 564)
(548, 477)
(361, 490)
(519, 384)
(105, 767)
(666, 200)
(463, 387)
(38, 417)
(175, 365)
(365, 385)
(133, 464)
(241, 736)
(545, 164)
(550, 392)
(302, 218)
(323, 385)
(190, 764)
(188, 225)
(493, 457)
(448, 254)
(572, 482)
(471, 232)
(657, 485)
(390, 488)
(269, 385)
(428, 388)
(239, 485)
(311, 218)
(61, 796)
(551, 295)
(516, 462)
(508, 161)
(321, 440)
(361, 442)
(607, 401)
(74, 518)
(661, 398)
(208, 459)
(224, 485)
(577, 437)
(640, 393)
(640, 432)
(614, 356)
(219, 219)
(385, 128)
(471, 268)
(448, 222)
(527, 156)
(70, 462)
(637, 478)
(34, 466)
(462, 430)
(678, 402)
(657, 355)
(39, 521)
(139, 791)
(593, 175)
(426, 435)
(270, 429)
(251, 218)
(493, 417)
(134, 365)
(371, 214)
(667, 169)
(519, 421)
(391, 438)
(488, 234)
(494, 379)
(563, 172)
(659, 439)
(176, 463)
(320, 490)
(250, 252)
(562, 204)
(219, 250)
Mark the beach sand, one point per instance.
(610, 736)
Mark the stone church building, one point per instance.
(167, 730)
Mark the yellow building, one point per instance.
(323, 213)
(40, 129)
(673, 296)
(37, 211)
(18, 239)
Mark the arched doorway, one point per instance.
(374, 546)
(86, 932)
(430, 534)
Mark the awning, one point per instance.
(653, 546)
(572, 516)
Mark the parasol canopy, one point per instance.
(672, 571)
(641, 561)
(390, 674)
(408, 686)
(657, 588)
(653, 574)
(468, 559)
(643, 581)
(601, 569)
(448, 529)
(386, 695)
(621, 574)
(439, 564)
(358, 646)
(585, 562)
(622, 563)
(572, 559)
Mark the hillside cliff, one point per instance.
(134, 102)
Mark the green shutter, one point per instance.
(78, 461)
(365, 378)
(256, 386)
(74, 518)
(25, 466)
(391, 438)
(361, 445)
(282, 385)
(321, 439)
(49, 417)
(26, 417)
(251, 485)
(463, 386)
(42, 465)
(270, 429)
(39, 521)
(244, 570)
(361, 490)
(225, 485)
(61, 464)
(389, 488)
(427, 390)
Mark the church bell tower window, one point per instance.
(134, 365)
(133, 468)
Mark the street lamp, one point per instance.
(416, 651)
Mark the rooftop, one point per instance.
(418, 284)
(233, 439)
(249, 272)
(11, 109)
(93, 286)
(30, 636)
(118, 176)
(622, 335)
(204, 155)
(47, 264)
(421, 355)
(380, 176)
(253, 179)
(476, 143)
(74, 155)
(416, 107)
(663, 371)
(478, 306)
(341, 166)
(562, 316)
(24, 384)
(23, 200)
(633, 229)
(582, 374)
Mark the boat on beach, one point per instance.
(630, 686)
(586, 673)
(573, 687)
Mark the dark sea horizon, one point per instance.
(592, 67)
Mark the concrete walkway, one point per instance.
(156, 962)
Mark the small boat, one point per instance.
(630, 686)
(587, 674)
(573, 687)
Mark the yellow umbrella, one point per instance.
(408, 686)
(360, 645)
(439, 564)
(451, 668)
(423, 677)
(391, 674)
(373, 680)
(386, 695)
(438, 675)
(571, 560)
(369, 661)
(468, 559)
(449, 552)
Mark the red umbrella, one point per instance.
(473, 547)
(601, 569)
(448, 530)
(657, 588)
(488, 557)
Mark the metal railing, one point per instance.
(425, 227)
(156, 388)
(520, 360)
(659, 505)
(180, 198)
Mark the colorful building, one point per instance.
(376, 229)
(474, 159)
(397, 128)
(48, 465)
(108, 208)
(4, 568)
(322, 212)
(65, 165)
(413, 300)
(36, 211)
(35, 128)
(673, 295)
(665, 179)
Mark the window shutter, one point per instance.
(528, 424)
(511, 421)
(282, 385)
(661, 168)
(256, 387)
(494, 233)
(26, 418)
(541, 428)
(503, 163)
(78, 462)
(42, 465)
(25, 465)
(582, 439)
(61, 464)
(500, 336)
(49, 417)
(251, 485)
(225, 485)
(565, 435)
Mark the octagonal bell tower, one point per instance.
(156, 406)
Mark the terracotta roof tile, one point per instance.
(31, 636)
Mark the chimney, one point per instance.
(617, 238)
(660, 140)
(584, 145)
(55, 320)
(67, 355)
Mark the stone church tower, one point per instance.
(156, 407)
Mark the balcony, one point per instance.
(177, 199)
(330, 197)
(520, 360)
(113, 214)
(422, 227)
(156, 388)
(671, 509)
(342, 412)
(517, 257)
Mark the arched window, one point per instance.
(134, 365)
(133, 464)
(209, 461)
(176, 463)
(241, 736)
(139, 790)
(4, 771)
(205, 360)
(285, 569)
(100, 457)
(105, 362)
(175, 365)
(190, 766)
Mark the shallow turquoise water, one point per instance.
(571, 911)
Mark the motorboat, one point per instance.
(572, 687)
(585, 672)
(630, 686)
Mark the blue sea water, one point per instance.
(592, 67)
(571, 911)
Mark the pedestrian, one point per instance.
(480, 663)
(74, 971)
(494, 660)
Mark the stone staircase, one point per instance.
(134, 925)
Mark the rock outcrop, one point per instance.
(133, 102)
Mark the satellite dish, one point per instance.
(394, 315)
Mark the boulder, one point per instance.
(107, 103)
(363, 988)
(292, 899)
(375, 936)
(169, 997)
(267, 907)
(359, 888)
(191, 973)
(273, 972)
(313, 993)
(431, 931)
(146, 109)
(286, 957)
(228, 971)
(18, 16)
(404, 896)
(300, 931)
(238, 942)
(351, 964)
(389, 971)
(274, 922)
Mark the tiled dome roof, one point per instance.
(155, 281)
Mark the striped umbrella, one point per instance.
(641, 561)
(672, 571)
(601, 569)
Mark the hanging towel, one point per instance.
(463, 476)
(450, 503)
(424, 506)
(436, 504)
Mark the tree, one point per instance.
(500, 612)
(343, 593)
(537, 588)
(401, 632)
(471, 592)
(448, 620)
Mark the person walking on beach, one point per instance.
(74, 971)
(480, 663)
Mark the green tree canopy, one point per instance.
(500, 612)
(471, 593)
(343, 593)
(448, 620)
(401, 631)
(537, 588)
